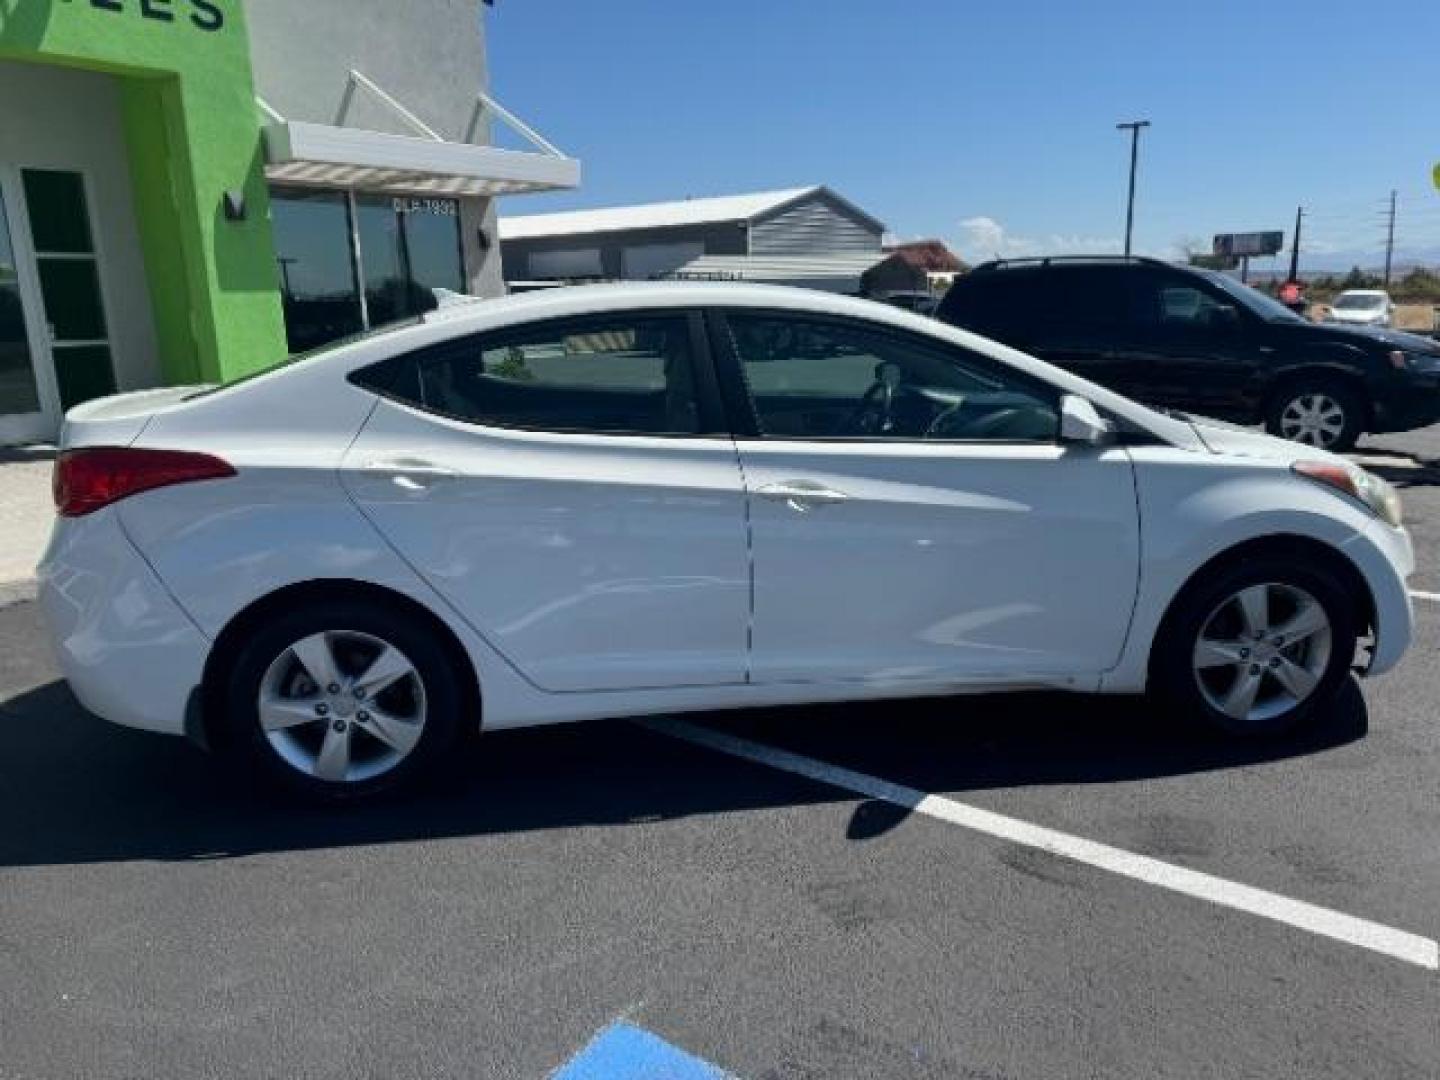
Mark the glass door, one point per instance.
(23, 415)
(68, 267)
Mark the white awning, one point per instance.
(336, 156)
(318, 155)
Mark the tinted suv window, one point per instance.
(994, 303)
(825, 379)
(1082, 297)
(615, 374)
(1172, 303)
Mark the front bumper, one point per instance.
(1410, 405)
(1386, 558)
(129, 653)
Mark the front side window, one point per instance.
(608, 375)
(824, 379)
(1180, 307)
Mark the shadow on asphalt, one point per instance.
(1422, 472)
(74, 789)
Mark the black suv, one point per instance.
(1199, 341)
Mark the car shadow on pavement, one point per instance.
(74, 789)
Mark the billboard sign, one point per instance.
(1246, 245)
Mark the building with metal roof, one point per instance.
(656, 239)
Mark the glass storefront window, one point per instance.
(18, 393)
(317, 267)
(406, 248)
(69, 270)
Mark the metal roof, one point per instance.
(663, 215)
(816, 271)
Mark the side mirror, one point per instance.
(1081, 424)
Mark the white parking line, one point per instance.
(1398, 944)
(1433, 597)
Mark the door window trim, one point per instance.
(712, 415)
(740, 402)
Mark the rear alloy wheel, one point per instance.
(342, 700)
(1320, 415)
(1259, 647)
(342, 707)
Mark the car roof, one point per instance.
(591, 299)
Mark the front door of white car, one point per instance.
(569, 489)
(914, 516)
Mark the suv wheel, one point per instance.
(1318, 413)
(1257, 648)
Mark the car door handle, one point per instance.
(802, 496)
(412, 474)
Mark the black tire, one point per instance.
(1303, 393)
(1175, 680)
(346, 624)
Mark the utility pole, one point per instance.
(1295, 248)
(1134, 127)
(1390, 240)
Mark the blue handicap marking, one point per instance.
(625, 1052)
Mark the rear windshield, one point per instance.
(992, 302)
(309, 354)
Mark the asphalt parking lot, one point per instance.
(157, 921)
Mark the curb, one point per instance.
(17, 592)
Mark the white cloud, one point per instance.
(983, 238)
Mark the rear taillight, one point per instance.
(89, 480)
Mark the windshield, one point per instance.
(1359, 302)
(1257, 303)
(309, 354)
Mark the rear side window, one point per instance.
(619, 374)
(993, 303)
(1084, 298)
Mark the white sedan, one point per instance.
(1363, 307)
(657, 498)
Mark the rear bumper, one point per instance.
(129, 653)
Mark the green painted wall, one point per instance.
(193, 133)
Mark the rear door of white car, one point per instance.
(569, 487)
(913, 515)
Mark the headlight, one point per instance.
(1364, 487)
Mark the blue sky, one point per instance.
(991, 125)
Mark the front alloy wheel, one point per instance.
(1260, 645)
(1262, 652)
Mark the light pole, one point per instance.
(1133, 127)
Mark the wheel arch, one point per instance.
(1287, 545)
(225, 649)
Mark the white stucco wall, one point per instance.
(427, 54)
(70, 120)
